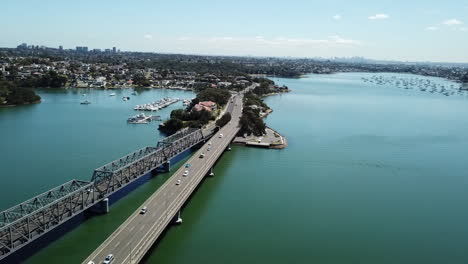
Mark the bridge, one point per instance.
(28, 221)
(132, 240)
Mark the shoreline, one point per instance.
(9, 105)
(272, 143)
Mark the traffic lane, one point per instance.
(143, 221)
(173, 192)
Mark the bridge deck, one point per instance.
(131, 241)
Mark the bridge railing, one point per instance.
(24, 222)
(117, 174)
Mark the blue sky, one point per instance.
(416, 30)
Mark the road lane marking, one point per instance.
(183, 194)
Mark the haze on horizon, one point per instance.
(420, 30)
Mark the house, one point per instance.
(206, 105)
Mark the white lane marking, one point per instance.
(142, 227)
(133, 227)
(116, 245)
(153, 197)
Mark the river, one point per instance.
(372, 174)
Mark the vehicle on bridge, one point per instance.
(108, 259)
(177, 182)
(202, 155)
(185, 173)
(143, 210)
(187, 165)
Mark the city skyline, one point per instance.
(388, 30)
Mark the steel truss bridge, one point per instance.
(25, 222)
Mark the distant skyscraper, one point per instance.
(60, 47)
(107, 50)
(114, 50)
(81, 49)
(22, 46)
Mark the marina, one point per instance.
(157, 105)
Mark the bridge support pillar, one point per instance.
(101, 208)
(211, 173)
(177, 220)
(166, 167)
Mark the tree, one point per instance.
(251, 123)
(464, 79)
(224, 120)
(171, 126)
(140, 80)
(219, 96)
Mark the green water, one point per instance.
(372, 174)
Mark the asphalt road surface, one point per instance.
(130, 242)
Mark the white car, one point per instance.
(185, 173)
(177, 182)
(143, 210)
(202, 156)
(220, 135)
(108, 259)
(91, 262)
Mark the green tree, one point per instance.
(219, 96)
(224, 120)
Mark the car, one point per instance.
(220, 135)
(209, 148)
(202, 156)
(185, 173)
(143, 210)
(108, 259)
(91, 262)
(209, 143)
(187, 165)
(177, 182)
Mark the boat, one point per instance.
(86, 102)
(112, 94)
(157, 105)
(140, 119)
(126, 98)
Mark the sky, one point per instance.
(409, 30)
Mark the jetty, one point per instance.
(157, 105)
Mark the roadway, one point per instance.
(130, 242)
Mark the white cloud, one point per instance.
(379, 16)
(337, 17)
(452, 22)
(148, 36)
(432, 28)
